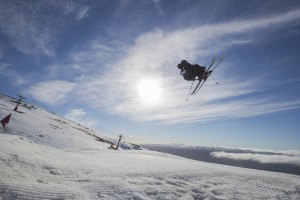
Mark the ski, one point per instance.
(199, 85)
(197, 88)
(211, 64)
(218, 63)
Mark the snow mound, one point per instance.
(68, 163)
(32, 171)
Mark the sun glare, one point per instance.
(150, 90)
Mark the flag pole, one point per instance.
(5, 127)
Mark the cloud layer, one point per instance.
(106, 73)
(52, 92)
(155, 55)
(262, 158)
(80, 116)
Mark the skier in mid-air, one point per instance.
(190, 72)
(196, 72)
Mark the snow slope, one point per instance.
(46, 128)
(68, 163)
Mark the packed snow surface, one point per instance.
(44, 156)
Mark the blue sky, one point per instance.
(112, 65)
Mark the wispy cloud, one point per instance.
(12, 76)
(82, 13)
(80, 116)
(156, 54)
(262, 158)
(1, 54)
(32, 27)
(51, 92)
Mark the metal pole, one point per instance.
(21, 97)
(5, 127)
(187, 98)
(214, 80)
(119, 141)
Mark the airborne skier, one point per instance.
(196, 72)
(190, 72)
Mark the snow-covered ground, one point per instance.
(44, 156)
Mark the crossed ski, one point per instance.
(208, 73)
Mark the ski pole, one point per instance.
(214, 80)
(190, 90)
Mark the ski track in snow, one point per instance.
(31, 172)
(45, 156)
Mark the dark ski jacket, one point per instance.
(190, 72)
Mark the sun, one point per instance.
(150, 90)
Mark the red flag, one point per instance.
(5, 120)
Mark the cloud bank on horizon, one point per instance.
(104, 73)
(289, 158)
